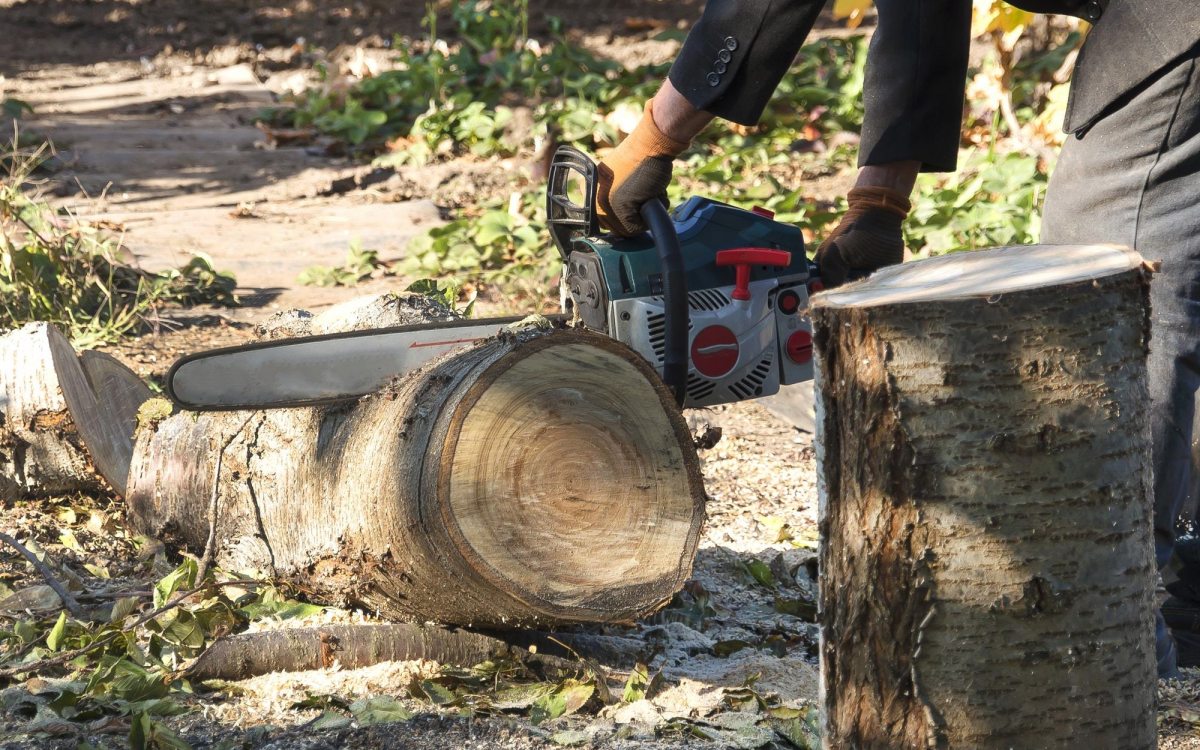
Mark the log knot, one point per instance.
(1039, 596)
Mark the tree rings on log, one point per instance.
(984, 452)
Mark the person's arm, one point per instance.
(913, 96)
(728, 67)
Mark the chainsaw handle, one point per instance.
(565, 218)
(675, 297)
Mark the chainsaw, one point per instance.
(713, 296)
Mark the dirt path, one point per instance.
(170, 154)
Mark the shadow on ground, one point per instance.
(114, 30)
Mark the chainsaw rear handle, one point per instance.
(675, 297)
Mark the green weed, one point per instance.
(993, 200)
(505, 245)
(360, 265)
(56, 268)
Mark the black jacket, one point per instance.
(738, 51)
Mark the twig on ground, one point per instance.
(67, 656)
(43, 569)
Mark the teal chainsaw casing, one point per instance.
(747, 282)
(704, 227)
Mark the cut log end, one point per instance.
(567, 480)
(984, 273)
(66, 421)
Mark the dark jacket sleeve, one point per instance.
(916, 76)
(1130, 44)
(737, 53)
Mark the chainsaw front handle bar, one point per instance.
(675, 297)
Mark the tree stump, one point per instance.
(66, 421)
(543, 477)
(986, 514)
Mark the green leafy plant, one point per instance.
(12, 107)
(58, 269)
(993, 200)
(440, 99)
(448, 293)
(507, 243)
(360, 265)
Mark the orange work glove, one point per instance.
(635, 173)
(867, 238)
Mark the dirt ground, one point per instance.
(150, 104)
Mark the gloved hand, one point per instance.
(868, 236)
(636, 172)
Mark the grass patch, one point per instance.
(57, 268)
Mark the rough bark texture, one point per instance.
(544, 477)
(987, 563)
(66, 422)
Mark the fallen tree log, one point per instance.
(66, 421)
(237, 657)
(544, 477)
(244, 655)
(985, 472)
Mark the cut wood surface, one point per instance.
(66, 422)
(541, 477)
(985, 470)
(119, 393)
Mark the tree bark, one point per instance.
(537, 478)
(66, 422)
(985, 503)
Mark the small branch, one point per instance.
(67, 656)
(210, 546)
(41, 567)
(237, 657)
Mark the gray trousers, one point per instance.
(1134, 179)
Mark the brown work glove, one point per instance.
(868, 236)
(635, 173)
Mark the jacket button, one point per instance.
(721, 68)
(1092, 11)
(730, 43)
(713, 79)
(724, 56)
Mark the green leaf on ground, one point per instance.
(147, 734)
(55, 638)
(180, 579)
(567, 699)
(805, 610)
(379, 710)
(759, 571)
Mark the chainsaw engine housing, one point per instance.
(744, 339)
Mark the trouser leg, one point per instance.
(1134, 179)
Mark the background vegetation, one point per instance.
(55, 267)
(498, 93)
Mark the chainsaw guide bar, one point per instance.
(323, 369)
